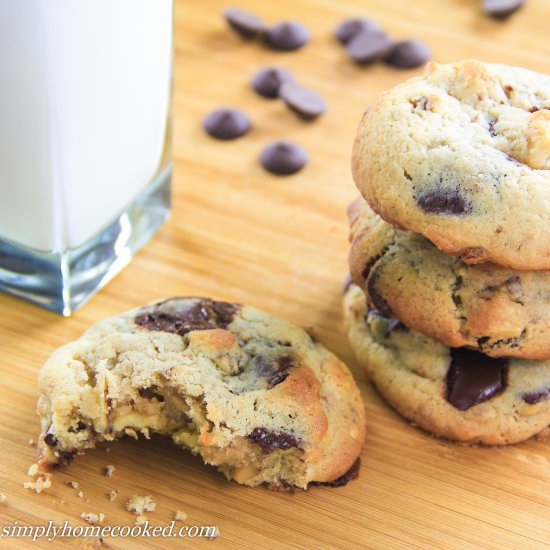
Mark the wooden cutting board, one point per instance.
(280, 244)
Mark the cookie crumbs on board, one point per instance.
(92, 519)
(113, 495)
(180, 515)
(108, 470)
(40, 483)
(139, 504)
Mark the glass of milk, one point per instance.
(85, 142)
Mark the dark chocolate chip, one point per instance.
(202, 314)
(352, 473)
(308, 103)
(64, 459)
(492, 130)
(247, 24)
(287, 36)
(150, 393)
(283, 158)
(348, 28)
(536, 397)
(79, 427)
(268, 80)
(50, 440)
(407, 54)
(270, 440)
(275, 369)
(368, 46)
(376, 298)
(457, 285)
(473, 378)
(501, 9)
(444, 202)
(226, 123)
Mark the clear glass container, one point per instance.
(85, 142)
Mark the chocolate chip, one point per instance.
(275, 369)
(283, 158)
(457, 285)
(444, 202)
(79, 427)
(348, 28)
(368, 46)
(50, 440)
(501, 9)
(270, 440)
(226, 123)
(202, 314)
(407, 54)
(287, 36)
(473, 378)
(64, 459)
(306, 102)
(352, 473)
(492, 130)
(247, 24)
(150, 393)
(268, 80)
(536, 397)
(377, 300)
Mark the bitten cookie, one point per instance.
(458, 394)
(250, 393)
(462, 155)
(498, 311)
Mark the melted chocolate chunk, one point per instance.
(150, 393)
(50, 440)
(377, 300)
(352, 473)
(474, 378)
(274, 369)
(536, 397)
(269, 441)
(444, 202)
(203, 314)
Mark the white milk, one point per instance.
(84, 98)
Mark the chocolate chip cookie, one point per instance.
(493, 309)
(250, 393)
(459, 394)
(462, 155)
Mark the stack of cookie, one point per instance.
(449, 306)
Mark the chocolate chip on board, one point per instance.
(407, 54)
(501, 9)
(268, 80)
(307, 103)
(473, 378)
(226, 123)
(283, 158)
(287, 36)
(348, 28)
(368, 46)
(245, 23)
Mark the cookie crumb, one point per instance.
(31, 442)
(139, 504)
(92, 519)
(3, 497)
(33, 469)
(108, 470)
(72, 484)
(141, 519)
(180, 515)
(80, 494)
(112, 495)
(40, 483)
(107, 449)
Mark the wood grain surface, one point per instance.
(280, 244)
